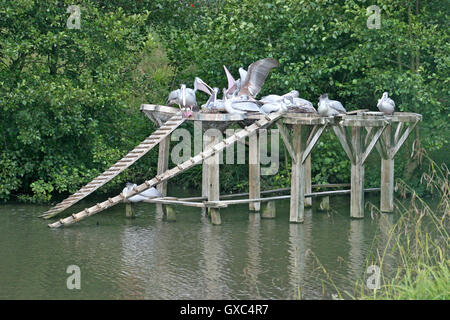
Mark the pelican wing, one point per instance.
(257, 74)
(336, 105)
(390, 101)
(151, 193)
(271, 98)
(245, 106)
(174, 95)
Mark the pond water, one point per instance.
(147, 258)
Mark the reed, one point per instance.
(418, 243)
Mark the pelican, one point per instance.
(241, 104)
(185, 98)
(302, 105)
(329, 108)
(144, 195)
(276, 97)
(280, 105)
(386, 104)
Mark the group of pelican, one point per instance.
(240, 96)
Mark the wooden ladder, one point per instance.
(208, 152)
(145, 146)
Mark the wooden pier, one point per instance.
(359, 133)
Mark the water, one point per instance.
(147, 258)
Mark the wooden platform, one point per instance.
(359, 133)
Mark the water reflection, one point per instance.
(147, 258)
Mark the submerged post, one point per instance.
(269, 211)
(254, 172)
(387, 174)
(324, 203)
(169, 213)
(129, 211)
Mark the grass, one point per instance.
(413, 260)
(418, 243)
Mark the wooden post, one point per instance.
(206, 142)
(129, 211)
(213, 182)
(254, 172)
(308, 185)
(387, 174)
(357, 175)
(297, 207)
(169, 213)
(269, 211)
(163, 165)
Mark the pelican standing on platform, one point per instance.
(386, 104)
(185, 99)
(330, 108)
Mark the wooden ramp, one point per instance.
(208, 152)
(145, 146)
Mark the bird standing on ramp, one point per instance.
(386, 104)
(330, 108)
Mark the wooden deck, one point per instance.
(359, 133)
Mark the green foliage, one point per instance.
(324, 46)
(70, 98)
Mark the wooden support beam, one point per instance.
(308, 183)
(357, 175)
(372, 143)
(398, 131)
(205, 188)
(163, 165)
(175, 201)
(312, 142)
(342, 136)
(254, 172)
(297, 206)
(286, 139)
(213, 181)
(312, 194)
(400, 142)
(387, 175)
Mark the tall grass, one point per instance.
(417, 244)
